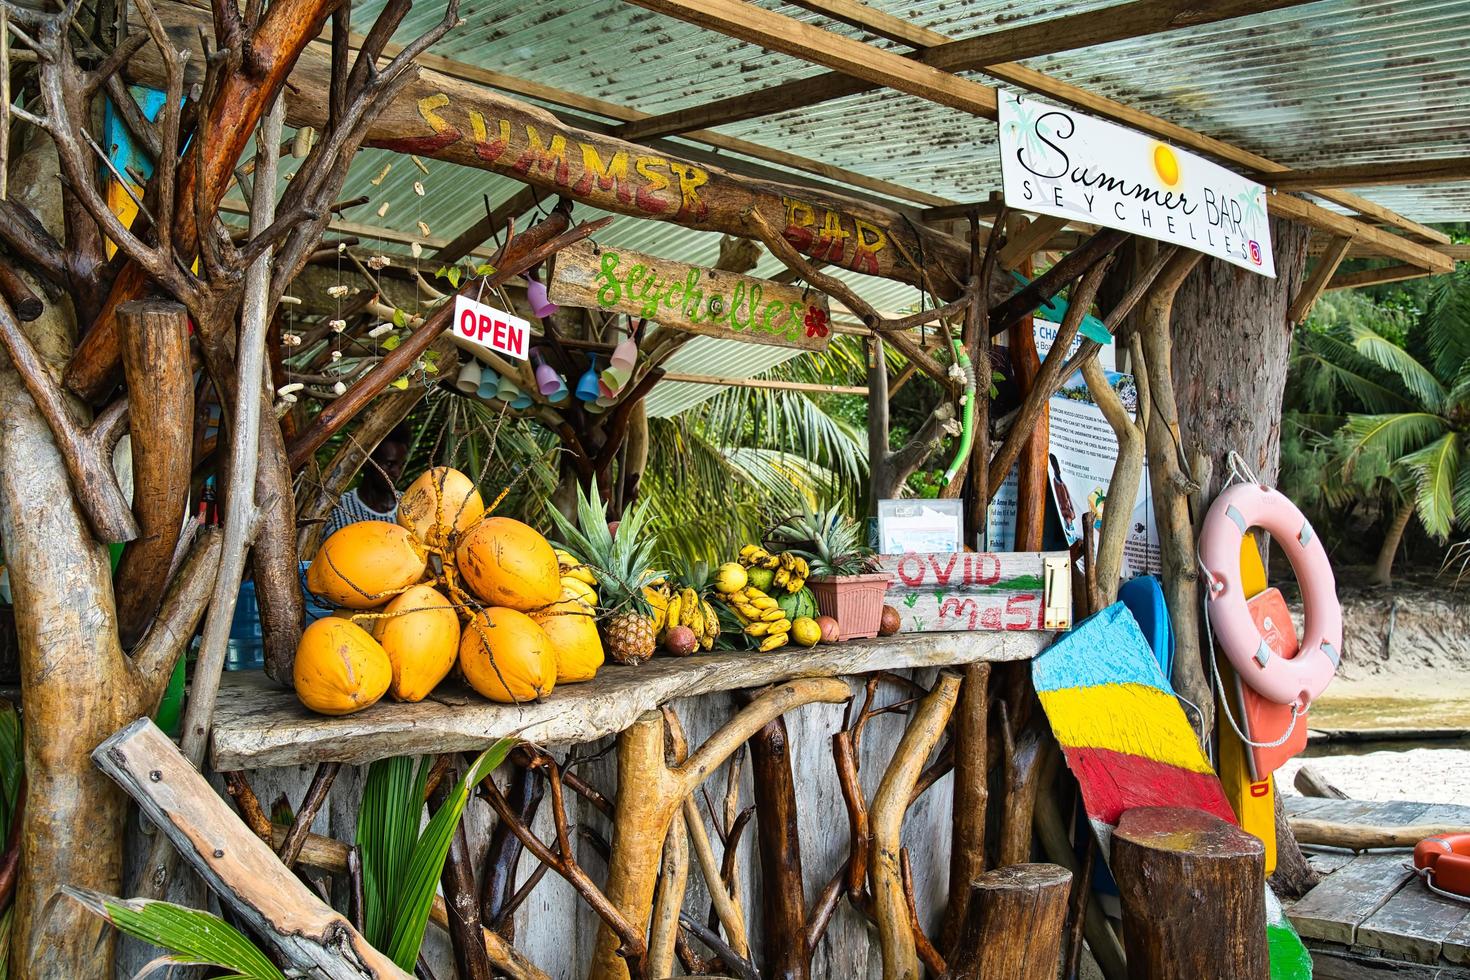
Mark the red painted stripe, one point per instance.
(1116, 781)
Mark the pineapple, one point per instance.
(832, 543)
(622, 565)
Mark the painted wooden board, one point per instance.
(936, 593)
(1333, 910)
(692, 298)
(258, 724)
(1124, 735)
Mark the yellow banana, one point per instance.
(795, 584)
(774, 642)
(788, 560)
(757, 629)
(764, 602)
(711, 621)
(773, 615)
(779, 626)
(749, 611)
(671, 611)
(782, 576)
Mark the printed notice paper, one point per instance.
(1059, 162)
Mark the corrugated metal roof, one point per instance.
(1332, 82)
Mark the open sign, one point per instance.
(485, 326)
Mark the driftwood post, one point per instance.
(1193, 895)
(240, 867)
(783, 906)
(971, 794)
(1013, 929)
(651, 792)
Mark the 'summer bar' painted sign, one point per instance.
(485, 326)
(1056, 161)
(966, 590)
(690, 297)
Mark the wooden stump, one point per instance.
(1013, 929)
(1193, 895)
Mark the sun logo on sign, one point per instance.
(1166, 164)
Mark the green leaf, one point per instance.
(387, 830)
(391, 341)
(1436, 468)
(1417, 378)
(453, 276)
(1393, 436)
(426, 863)
(485, 269)
(12, 764)
(400, 319)
(191, 935)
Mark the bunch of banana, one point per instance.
(761, 617)
(687, 608)
(754, 556)
(791, 572)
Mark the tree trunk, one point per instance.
(1013, 926)
(1383, 567)
(75, 681)
(1231, 344)
(1232, 340)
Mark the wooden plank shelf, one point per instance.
(1370, 917)
(259, 725)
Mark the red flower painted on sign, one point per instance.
(816, 321)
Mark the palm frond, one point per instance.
(1437, 471)
(1418, 379)
(193, 937)
(1393, 436)
(1447, 323)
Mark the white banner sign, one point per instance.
(485, 326)
(1059, 162)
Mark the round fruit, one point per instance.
(571, 627)
(420, 633)
(507, 563)
(365, 564)
(440, 500)
(761, 578)
(796, 604)
(890, 623)
(681, 641)
(730, 577)
(506, 656)
(830, 629)
(339, 667)
(805, 631)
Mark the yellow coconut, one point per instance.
(571, 626)
(366, 564)
(440, 499)
(507, 563)
(420, 633)
(506, 656)
(340, 668)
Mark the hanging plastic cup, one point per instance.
(560, 397)
(615, 377)
(547, 380)
(489, 385)
(625, 355)
(595, 407)
(507, 391)
(536, 296)
(521, 401)
(468, 379)
(587, 389)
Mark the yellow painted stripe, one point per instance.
(1132, 718)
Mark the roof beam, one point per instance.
(777, 32)
(1432, 171)
(1374, 277)
(475, 235)
(1134, 19)
(1317, 282)
(860, 15)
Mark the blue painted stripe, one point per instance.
(1106, 648)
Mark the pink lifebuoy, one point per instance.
(1300, 679)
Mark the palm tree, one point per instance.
(1413, 430)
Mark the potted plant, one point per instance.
(843, 568)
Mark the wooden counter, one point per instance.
(259, 725)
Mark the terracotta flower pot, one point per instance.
(855, 601)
